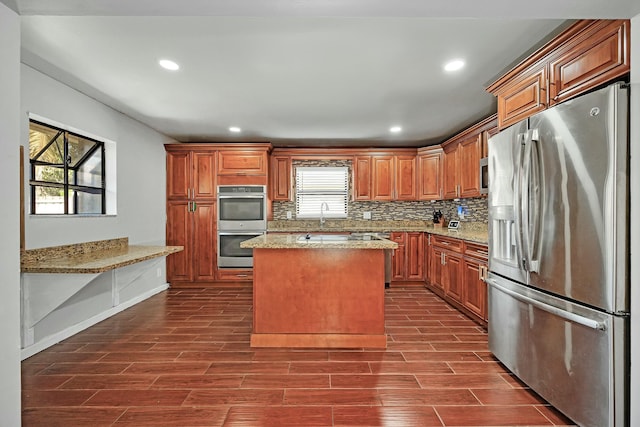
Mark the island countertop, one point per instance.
(289, 241)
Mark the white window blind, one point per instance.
(315, 185)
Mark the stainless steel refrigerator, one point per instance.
(558, 255)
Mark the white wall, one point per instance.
(140, 163)
(635, 225)
(9, 217)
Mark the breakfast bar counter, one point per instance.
(318, 292)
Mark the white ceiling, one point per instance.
(315, 72)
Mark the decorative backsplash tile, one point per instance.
(475, 210)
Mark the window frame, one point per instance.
(343, 193)
(66, 186)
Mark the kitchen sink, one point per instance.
(324, 238)
(328, 238)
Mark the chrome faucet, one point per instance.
(322, 218)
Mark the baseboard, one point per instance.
(72, 330)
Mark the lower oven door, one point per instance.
(230, 254)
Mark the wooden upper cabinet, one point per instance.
(178, 175)
(525, 97)
(470, 150)
(242, 162)
(600, 56)
(204, 167)
(430, 170)
(362, 178)
(280, 181)
(450, 187)
(405, 179)
(587, 54)
(461, 166)
(382, 169)
(190, 174)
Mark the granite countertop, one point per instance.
(288, 241)
(90, 257)
(473, 232)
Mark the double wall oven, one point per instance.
(242, 215)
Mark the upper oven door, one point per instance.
(242, 212)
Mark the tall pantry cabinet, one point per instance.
(191, 213)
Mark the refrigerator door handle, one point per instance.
(571, 317)
(534, 189)
(525, 183)
(517, 203)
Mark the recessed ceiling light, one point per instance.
(395, 129)
(454, 65)
(168, 64)
(235, 129)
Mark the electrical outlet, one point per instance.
(159, 272)
(366, 215)
(289, 215)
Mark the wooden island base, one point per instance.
(317, 297)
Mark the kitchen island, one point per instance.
(325, 291)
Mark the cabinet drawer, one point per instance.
(476, 250)
(234, 275)
(454, 245)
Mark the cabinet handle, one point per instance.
(242, 275)
(480, 273)
(442, 259)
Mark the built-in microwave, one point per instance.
(242, 207)
(484, 175)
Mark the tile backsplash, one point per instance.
(475, 209)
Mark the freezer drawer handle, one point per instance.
(571, 317)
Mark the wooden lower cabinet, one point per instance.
(192, 225)
(456, 273)
(474, 297)
(408, 258)
(452, 276)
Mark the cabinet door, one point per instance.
(399, 257)
(450, 187)
(204, 241)
(430, 176)
(469, 171)
(525, 97)
(204, 173)
(405, 178)
(474, 295)
(436, 264)
(382, 177)
(452, 277)
(414, 252)
(179, 233)
(280, 178)
(242, 163)
(427, 258)
(601, 57)
(178, 175)
(362, 178)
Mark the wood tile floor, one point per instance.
(182, 358)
